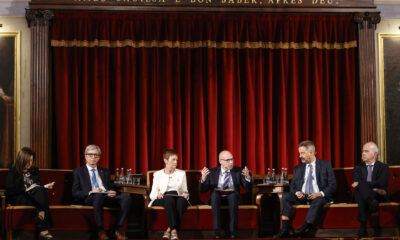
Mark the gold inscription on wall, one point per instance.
(267, 3)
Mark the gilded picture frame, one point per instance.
(389, 100)
(10, 71)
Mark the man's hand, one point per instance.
(185, 195)
(96, 190)
(30, 187)
(49, 185)
(204, 173)
(300, 195)
(112, 193)
(354, 184)
(160, 195)
(246, 172)
(380, 191)
(314, 196)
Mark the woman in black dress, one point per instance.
(23, 188)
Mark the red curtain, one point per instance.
(255, 84)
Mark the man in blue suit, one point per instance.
(313, 183)
(92, 186)
(370, 181)
(228, 179)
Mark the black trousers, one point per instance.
(232, 200)
(364, 195)
(290, 199)
(174, 207)
(99, 201)
(38, 198)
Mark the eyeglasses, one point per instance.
(94, 155)
(228, 160)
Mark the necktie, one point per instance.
(369, 176)
(226, 180)
(96, 185)
(309, 187)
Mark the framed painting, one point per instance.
(9, 97)
(389, 89)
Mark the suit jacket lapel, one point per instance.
(101, 173)
(364, 171)
(216, 177)
(375, 170)
(317, 171)
(235, 177)
(87, 178)
(302, 173)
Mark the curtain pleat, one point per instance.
(255, 84)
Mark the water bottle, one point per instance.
(268, 177)
(128, 176)
(285, 176)
(122, 176)
(282, 177)
(273, 178)
(116, 180)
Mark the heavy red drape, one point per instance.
(255, 84)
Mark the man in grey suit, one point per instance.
(313, 183)
(370, 181)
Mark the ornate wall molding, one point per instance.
(39, 23)
(367, 75)
(371, 18)
(38, 17)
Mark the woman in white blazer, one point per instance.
(169, 190)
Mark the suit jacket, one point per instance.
(326, 179)
(160, 182)
(15, 188)
(211, 181)
(380, 174)
(81, 185)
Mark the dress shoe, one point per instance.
(102, 235)
(174, 236)
(167, 235)
(362, 232)
(283, 233)
(374, 206)
(303, 231)
(217, 236)
(120, 235)
(46, 236)
(232, 236)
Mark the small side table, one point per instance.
(269, 189)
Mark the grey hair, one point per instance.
(91, 147)
(309, 145)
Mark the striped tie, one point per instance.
(309, 187)
(226, 180)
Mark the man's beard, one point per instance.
(302, 160)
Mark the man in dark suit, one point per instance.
(313, 183)
(92, 186)
(228, 178)
(370, 180)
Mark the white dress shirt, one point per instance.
(314, 180)
(222, 178)
(98, 178)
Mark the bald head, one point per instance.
(226, 160)
(369, 152)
